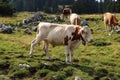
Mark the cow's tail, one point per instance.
(77, 21)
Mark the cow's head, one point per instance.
(85, 32)
(118, 25)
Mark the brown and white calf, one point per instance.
(75, 19)
(66, 12)
(69, 36)
(110, 21)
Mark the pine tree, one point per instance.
(5, 8)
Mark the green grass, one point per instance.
(97, 60)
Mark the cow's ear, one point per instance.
(81, 32)
(84, 42)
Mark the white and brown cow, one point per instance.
(61, 34)
(75, 19)
(66, 12)
(110, 21)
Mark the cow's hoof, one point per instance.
(51, 60)
(31, 56)
(109, 34)
(67, 63)
(72, 62)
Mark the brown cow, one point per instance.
(74, 19)
(66, 12)
(110, 20)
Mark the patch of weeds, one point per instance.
(4, 64)
(101, 73)
(56, 76)
(75, 60)
(42, 73)
(7, 57)
(20, 73)
(51, 66)
(3, 49)
(100, 42)
(86, 69)
(33, 70)
(55, 66)
(117, 39)
(35, 66)
(109, 63)
(68, 71)
(29, 60)
(85, 61)
(105, 78)
(1, 38)
(19, 55)
(113, 76)
(2, 52)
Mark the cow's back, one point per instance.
(44, 28)
(74, 19)
(58, 34)
(108, 18)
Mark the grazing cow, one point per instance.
(61, 34)
(110, 20)
(74, 19)
(66, 12)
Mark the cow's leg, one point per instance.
(71, 55)
(34, 42)
(106, 28)
(106, 25)
(46, 49)
(67, 54)
(111, 29)
(71, 51)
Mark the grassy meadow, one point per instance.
(99, 60)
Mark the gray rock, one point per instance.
(37, 17)
(77, 78)
(84, 23)
(6, 29)
(27, 31)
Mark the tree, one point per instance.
(85, 6)
(117, 6)
(5, 8)
(78, 6)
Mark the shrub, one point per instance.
(33, 70)
(4, 65)
(6, 9)
(56, 76)
(42, 73)
(54, 66)
(100, 42)
(51, 66)
(101, 72)
(20, 73)
(117, 39)
(36, 66)
(68, 71)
